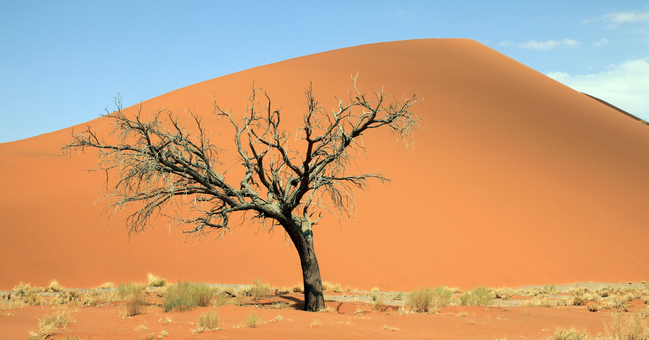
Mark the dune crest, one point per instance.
(515, 179)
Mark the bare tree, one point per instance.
(161, 165)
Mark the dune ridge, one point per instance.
(515, 179)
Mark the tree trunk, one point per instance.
(313, 298)
(303, 240)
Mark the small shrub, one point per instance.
(593, 307)
(374, 290)
(480, 296)
(504, 293)
(615, 302)
(298, 288)
(537, 302)
(260, 289)
(54, 286)
(186, 296)
(208, 321)
(134, 299)
(425, 299)
(221, 299)
(32, 297)
(21, 289)
(106, 285)
(337, 288)
(156, 281)
(252, 320)
(378, 303)
(374, 296)
(399, 296)
(578, 300)
(549, 289)
(632, 327)
(52, 324)
(570, 334)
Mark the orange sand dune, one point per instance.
(515, 179)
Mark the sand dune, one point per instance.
(515, 179)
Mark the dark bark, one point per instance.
(301, 234)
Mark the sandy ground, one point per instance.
(344, 319)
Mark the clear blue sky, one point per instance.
(61, 62)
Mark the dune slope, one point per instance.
(515, 179)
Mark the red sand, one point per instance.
(479, 323)
(515, 179)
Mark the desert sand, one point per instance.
(515, 179)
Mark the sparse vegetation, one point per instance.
(480, 296)
(632, 327)
(208, 321)
(615, 302)
(537, 302)
(54, 286)
(260, 289)
(252, 320)
(425, 299)
(378, 303)
(186, 296)
(156, 281)
(134, 298)
(504, 293)
(52, 324)
(570, 334)
(549, 289)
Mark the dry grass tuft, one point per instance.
(504, 293)
(615, 302)
(185, 296)
(426, 299)
(208, 321)
(252, 320)
(54, 286)
(260, 289)
(52, 324)
(480, 296)
(134, 299)
(106, 285)
(570, 334)
(155, 281)
(33, 297)
(378, 303)
(298, 288)
(633, 327)
(549, 289)
(537, 302)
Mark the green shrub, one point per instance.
(426, 298)
(480, 296)
(186, 296)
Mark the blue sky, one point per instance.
(62, 62)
